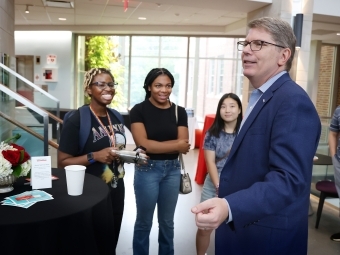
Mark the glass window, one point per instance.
(213, 68)
(174, 46)
(140, 66)
(211, 87)
(145, 46)
(220, 75)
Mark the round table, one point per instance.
(65, 225)
(201, 170)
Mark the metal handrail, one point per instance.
(33, 107)
(41, 91)
(52, 116)
(27, 129)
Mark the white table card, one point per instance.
(41, 172)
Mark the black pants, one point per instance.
(117, 198)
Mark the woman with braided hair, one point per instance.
(106, 135)
(157, 182)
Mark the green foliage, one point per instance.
(101, 51)
(17, 170)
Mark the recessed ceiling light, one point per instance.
(62, 18)
(142, 18)
(338, 34)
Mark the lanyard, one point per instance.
(111, 137)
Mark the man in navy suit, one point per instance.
(265, 184)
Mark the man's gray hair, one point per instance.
(281, 32)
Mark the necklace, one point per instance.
(111, 135)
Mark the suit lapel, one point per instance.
(264, 99)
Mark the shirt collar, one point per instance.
(270, 82)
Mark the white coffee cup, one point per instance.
(75, 175)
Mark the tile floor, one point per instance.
(185, 228)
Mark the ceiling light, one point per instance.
(62, 18)
(142, 18)
(338, 34)
(27, 10)
(59, 4)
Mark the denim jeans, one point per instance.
(156, 182)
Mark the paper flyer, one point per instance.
(41, 172)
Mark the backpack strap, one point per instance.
(85, 126)
(68, 115)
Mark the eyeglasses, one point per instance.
(102, 85)
(255, 45)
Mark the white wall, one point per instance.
(7, 27)
(43, 43)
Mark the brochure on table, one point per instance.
(27, 198)
(41, 172)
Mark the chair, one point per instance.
(327, 189)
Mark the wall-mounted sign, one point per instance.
(51, 59)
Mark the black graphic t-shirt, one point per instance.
(96, 141)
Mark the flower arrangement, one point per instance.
(13, 158)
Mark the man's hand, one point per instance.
(211, 213)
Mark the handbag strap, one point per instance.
(181, 161)
(180, 155)
(176, 113)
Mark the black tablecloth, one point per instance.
(65, 225)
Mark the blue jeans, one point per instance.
(156, 182)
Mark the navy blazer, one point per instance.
(266, 179)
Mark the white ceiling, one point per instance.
(198, 17)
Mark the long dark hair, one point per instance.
(152, 75)
(218, 123)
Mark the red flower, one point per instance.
(16, 157)
(19, 148)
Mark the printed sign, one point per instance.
(51, 59)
